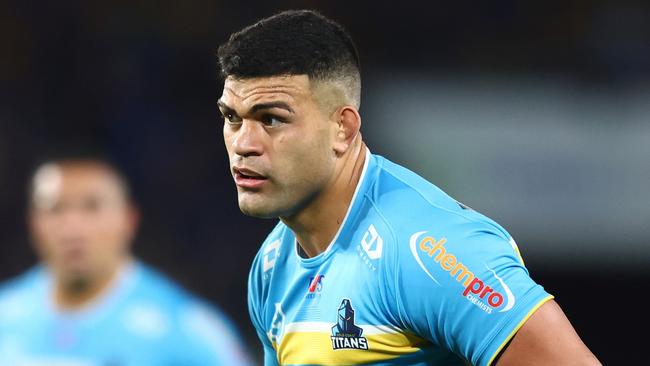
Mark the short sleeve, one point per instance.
(465, 288)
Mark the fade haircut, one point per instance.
(294, 42)
(51, 163)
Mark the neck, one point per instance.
(316, 225)
(78, 291)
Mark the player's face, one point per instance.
(81, 222)
(279, 140)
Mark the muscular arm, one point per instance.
(547, 338)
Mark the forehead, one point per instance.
(248, 91)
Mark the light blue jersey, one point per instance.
(143, 319)
(411, 278)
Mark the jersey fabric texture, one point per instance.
(412, 278)
(144, 319)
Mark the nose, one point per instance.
(248, 139)
(71, 221)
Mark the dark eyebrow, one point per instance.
(270, 105)
(257, 107)
(224, 106)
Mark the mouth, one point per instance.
(247, 178)
(73, 250)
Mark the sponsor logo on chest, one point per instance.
(315, 286)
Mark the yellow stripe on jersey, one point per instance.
(300, 348)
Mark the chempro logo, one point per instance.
(474, 288)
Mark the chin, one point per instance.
(258, 212)
(259, 209)
(74, 279)
(75, 271)
(268, 206)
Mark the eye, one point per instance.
(91, 205)
(230, 117)
(57, 208)
(271, 120)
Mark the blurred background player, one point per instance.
(90, 302)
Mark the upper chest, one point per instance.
(337, 303)
(312, 290)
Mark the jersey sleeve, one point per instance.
(464, 287)
(256, 293)
(210, 338)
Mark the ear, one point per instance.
(132, 222)
(32, 224)
(133, 217)
(348, 124)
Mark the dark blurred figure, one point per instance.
(91, 302)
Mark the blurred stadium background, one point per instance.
(535, 113)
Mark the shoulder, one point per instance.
(149, 303)
(154, 295)
(207, 326)
(409, 204)
(209, 336)
(436, 238)
(204, 333)
(182, 312)
(456, 275)
(21, 293)
(25, 282)
(154, 285)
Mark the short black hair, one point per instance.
(79, 155)
(293, 42)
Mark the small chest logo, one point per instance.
(315, 286)
(346, 334)
(372, 243)
(370, 247)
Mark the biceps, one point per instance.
(547, 338)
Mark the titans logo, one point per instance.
(345, 334)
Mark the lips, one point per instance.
(248, 178)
